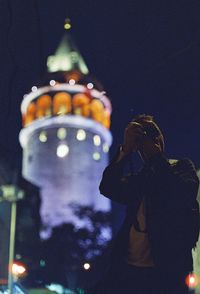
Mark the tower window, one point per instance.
(62, 150)
(97, 140)
(43, 137)
(81, 135)
(96, 156)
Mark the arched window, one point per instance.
(30, 114)
(81, 104)
(62, 103)
(43, 106)
(106, 119)
(97, 110)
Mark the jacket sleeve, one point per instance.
(179, 181)
(117, 187)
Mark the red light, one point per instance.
(192, 280)
(18, 269)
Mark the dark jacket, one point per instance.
(170, 192)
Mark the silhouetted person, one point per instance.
(152, 251)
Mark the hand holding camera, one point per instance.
(133, 135)
(142, 138)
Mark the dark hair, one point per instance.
(143, 117)
(150, 127)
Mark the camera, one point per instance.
(151, 131)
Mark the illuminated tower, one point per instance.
(66, 139)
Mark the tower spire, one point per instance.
(67, 56)
(67, 24)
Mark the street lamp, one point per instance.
(12, 194)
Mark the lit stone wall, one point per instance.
(65, 156)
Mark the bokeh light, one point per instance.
(61, 133)
(43, 137)
(97, 140)
(18, 270)
(81, 135)
(34, 89)
(86, 266)
(96, 156)
(62, 150)
(52, 83)
(192, 280)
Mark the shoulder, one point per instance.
(185, 165)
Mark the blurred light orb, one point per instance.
(42, 263)
(52, 83)
(62, 150)
(87, 266)
(192, 280)
(67, 26)
(18, 269)
(56, 288)
(90, 86)
(43, 137)
(105, 148)
(96, 156)
(97, 140)
(18, 256)
(72, 82)
(61, 133)
(34, 89)
(81, 135)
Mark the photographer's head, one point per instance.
(150, 128)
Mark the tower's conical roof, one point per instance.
(67, 57)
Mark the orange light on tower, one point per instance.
(81, 104)
(62, 103)
(30, 115)
(43, 106)
(106, 119)
(97, 110)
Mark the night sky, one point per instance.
(145, 53)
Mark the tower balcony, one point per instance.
(59, 99)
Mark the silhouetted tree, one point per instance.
(70, 247)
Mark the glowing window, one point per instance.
(96, 156)
(62, 133)
(43, 137)
(105, 148)
(81, 135)
(62, 150)
(97, 140)
(62, 103)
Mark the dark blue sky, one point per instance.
(145, 53)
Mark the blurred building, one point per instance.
(66, 140)
(14, 188)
